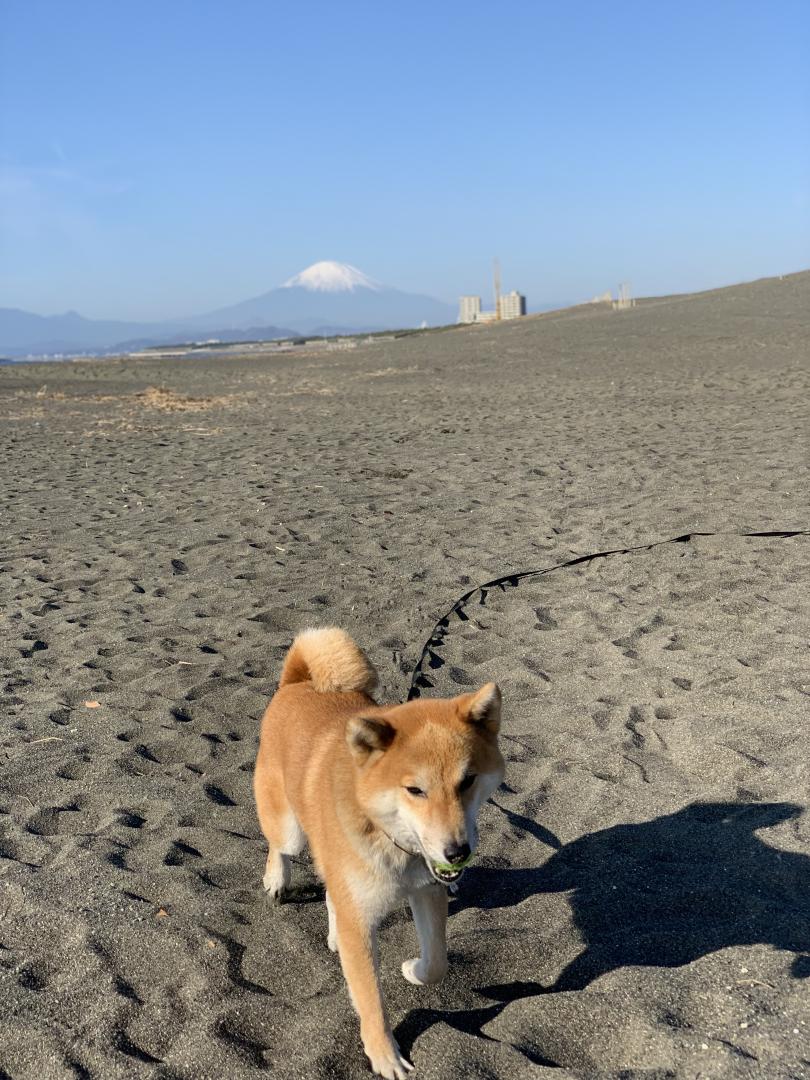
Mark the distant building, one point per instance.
(513, 305)
(624, 300)
(469, 309)
(510, 306)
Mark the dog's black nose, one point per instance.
(456, 853)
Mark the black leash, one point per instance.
(393, 841)
(419, 679)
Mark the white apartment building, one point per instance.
(469, 309)
(510, 306)
(513, 305)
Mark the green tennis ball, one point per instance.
(450, 867)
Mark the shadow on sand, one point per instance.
(661, 894)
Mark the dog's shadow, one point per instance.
(661, 893)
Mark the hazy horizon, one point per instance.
(167, 161)
(485, 293)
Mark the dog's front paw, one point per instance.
(387, 1060)
(418, 973)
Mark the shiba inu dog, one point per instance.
(387, 797)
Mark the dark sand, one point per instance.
(641, 903)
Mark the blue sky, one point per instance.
(165, 158)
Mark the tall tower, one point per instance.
(496, 274)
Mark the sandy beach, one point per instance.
(640, 905)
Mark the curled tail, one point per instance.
(330, 660)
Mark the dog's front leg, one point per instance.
(357, 945)
(331, 940)
(429, 907)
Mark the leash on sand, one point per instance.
(420, 680)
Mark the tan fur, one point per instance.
(330, 660)
(333, 768)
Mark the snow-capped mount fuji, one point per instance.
(327, 297)
(331, 297)
(329, 276)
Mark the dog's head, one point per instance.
(425, 768)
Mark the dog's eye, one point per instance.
(467, 782)
(416, 792)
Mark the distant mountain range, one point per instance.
(326, 295)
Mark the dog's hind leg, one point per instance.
(278, 870)
(280, 826)
(429, 907)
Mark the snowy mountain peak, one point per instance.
(329, 276)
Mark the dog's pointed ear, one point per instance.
(367, 735)
(483, 708)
